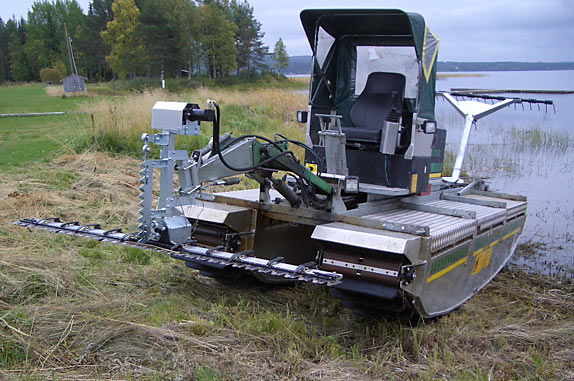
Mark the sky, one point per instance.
(480, 30)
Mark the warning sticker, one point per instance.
(482, 261)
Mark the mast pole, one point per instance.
(69, 53)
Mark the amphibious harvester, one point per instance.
(367, 213)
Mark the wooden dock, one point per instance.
(509, 91)
(31, 114)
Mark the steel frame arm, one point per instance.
(471, 111)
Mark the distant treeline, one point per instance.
(302, 65)
(129, 38)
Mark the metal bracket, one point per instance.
(407, 203)
(492, 204)
(160, 139)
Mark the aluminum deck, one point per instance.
(485, 216)
(443, 230)
(449, 220)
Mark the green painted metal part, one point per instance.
(449, 259)
(288, 163)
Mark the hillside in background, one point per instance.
(503, 66)
(299, 65)
(302, 65)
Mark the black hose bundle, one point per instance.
(217, 150)
(305, 187)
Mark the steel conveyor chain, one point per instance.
(187, 252)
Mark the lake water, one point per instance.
(528, 152)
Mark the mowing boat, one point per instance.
(367, 213)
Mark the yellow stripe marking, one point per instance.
(435, 175)
(480, 263)
(414, 181)
(491, 245)
(511, 234)
(427, 71)
(446, 270)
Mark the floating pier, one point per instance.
(509, 91)
(31, 114)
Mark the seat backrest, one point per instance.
(383, 92)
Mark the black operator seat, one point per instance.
(381, 100)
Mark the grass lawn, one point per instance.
(25, 140)
(33, 98)
(28, 139)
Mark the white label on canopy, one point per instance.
(324, 43)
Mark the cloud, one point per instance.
(503, 30)
(487, 30)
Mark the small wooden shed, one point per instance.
(74, 83)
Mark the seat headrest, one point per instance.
(382, 94)
(385, 83)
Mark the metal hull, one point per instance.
(446, 288)
(428, 254)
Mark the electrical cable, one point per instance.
(386, 171)
(311, 198)
(320, 165)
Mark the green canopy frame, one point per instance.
(333, 79)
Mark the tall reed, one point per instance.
(117, 123)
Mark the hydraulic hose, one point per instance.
(217, 150)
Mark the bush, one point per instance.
(51, 74)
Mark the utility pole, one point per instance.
(69, 53)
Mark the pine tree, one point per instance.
(217, 37)
(22, 63)
(160, 36)
(122, 34)
(133, 37)
(46, 37)
(4, 68)
(10, 34)
(42, 33)
(248, 40)
(91, 51)
(186, 17)
(280, 56)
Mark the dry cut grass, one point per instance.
(58, 91)
(78, 309)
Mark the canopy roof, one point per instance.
(366, 22)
